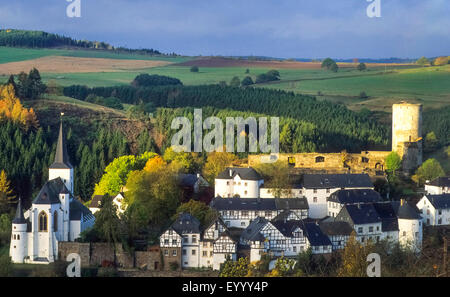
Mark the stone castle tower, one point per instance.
(407, 134)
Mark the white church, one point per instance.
(55, 215)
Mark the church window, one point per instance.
(43, 222)
(55, 221)
(18, 237)
(14, 236)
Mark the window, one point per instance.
(439, 221)
(205, 244)
(328, 190)
(315, 199)
(294, 249)
(166, 253)
(316, 248)
(404, 233)
(170, 232)
(371, 229)
(440, 212)
(268, 214)
(174, 253)
(43, 222)
(174, 241)
(242, 223)
(185, 239)
(228, 183)
(256, 213)
(184, 252)
(360, 230)
(362, 239)
(166, 241)
(14, 236)
(194, 238)
(245, 213)
(315, 191)
(245, 192)
(55, 221)
(193, 252)
(378, 228)
(205, 254)
(428, 211)
(18, 237)
(211, 254)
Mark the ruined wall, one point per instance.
(82, 249)
(368, 161)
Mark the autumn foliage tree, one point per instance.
(12, 109)
(6, 194)
(354, 258)
(216, 162)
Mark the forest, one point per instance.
(40, 39)
(338, 127)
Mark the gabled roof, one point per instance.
(291, 203)
(78, 210)
(244, 173)
(386, 212)
(287, 228)
(96, 201)
(405, 211)
(253, 231)
(49, 193)
(186, 223)
(187, 180)
(315, 235)
(359, 214)
(439, 201)
(336, 228)
(285, 215)
(355, 196)
(19, 218)
(440, 182)
(329, 181)
(61, 156)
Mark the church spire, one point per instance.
(61, 156)
(19, 218)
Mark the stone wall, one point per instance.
(93, 254)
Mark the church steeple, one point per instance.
(61, 157)
(19, 218)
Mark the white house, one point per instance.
(240, 212)
(238, 182)
(435, 209)
(118, 201)
(318, 187)
(55, 215)
(409, 225)
(440, 185)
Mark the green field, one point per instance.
(9, 54)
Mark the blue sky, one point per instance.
(278, 28)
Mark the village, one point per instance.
(326, 204)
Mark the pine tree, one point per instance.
(6, 194)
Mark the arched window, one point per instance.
(43, 222)
(18, 237)
(55, 221)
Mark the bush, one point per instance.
(89, 272)
(247, 81)
(5, 265)
(194, 69)
(146, 80)
(107, 272)
(174, 266)
(363, 95)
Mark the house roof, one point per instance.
(61, 156)
(405, 211)
(96, 201)
(355, 196)
(440, 201)
(49, 193)
(336, 228)
(325, 181)
(360, 213)
(19, 218)
(259, 204)
(186, 223)
(244, 173)
(287, 228)
(440, 182)
(386, 212)
(253, 231)
(315, 235)
(284, 216)
(187, 180)
(78, 211)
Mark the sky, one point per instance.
(277, 28)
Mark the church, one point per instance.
(55, 215)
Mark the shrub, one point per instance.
(363, 95)
(5, 265)
(247, 81)
(174, 266)
(107, 272)
(194, 69)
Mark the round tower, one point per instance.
(18, 248)
(407, 133)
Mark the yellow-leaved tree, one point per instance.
(6, 194)
(354, 258)
(11, 108)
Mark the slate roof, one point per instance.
(386, 212)
(259, 204)
(336, 228)
(61, 156)
(440, 182)
(96, 201)
(19, 218)
(355, 196)
(329, 181)
(187, 180)
(49, 193)
(284, 216)
(360, 213)
(252, 232)
(77, 209)
(405, 211)
(288, 227)
(244, 173)
(440, 201)
(315, 235)
(186, 223)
